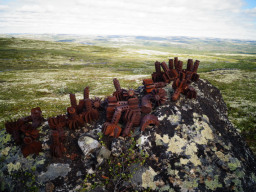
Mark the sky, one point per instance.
(234, 19)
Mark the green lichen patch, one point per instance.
(213, 183)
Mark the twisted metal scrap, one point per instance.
(85, 112)
(90, 113)
(186, 76)
(155, 98)
(57, 147)
(149, 85)
(26, 128)
(149, 120)
(31, 146)
(130, 112)
(13, 128)
(122, 94)
(74, 120)
(167, 75)
(132, 115)
(58, 123)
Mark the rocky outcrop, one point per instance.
(195, 148)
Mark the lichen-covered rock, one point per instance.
(195, 148)
(54, 171)
(117, 146)
(104, 153)
(88, 144)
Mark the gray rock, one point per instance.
(116, 147)
(88, 145)
(103, 154)
(53, 171)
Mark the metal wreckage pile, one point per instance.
(124, 105)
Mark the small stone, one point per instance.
(103, 154)
(49, 187)
(79, 173)
(116, 147)
(88, 145)
(53, 171)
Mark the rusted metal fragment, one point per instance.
(58, 123)
(128, 110)
(149, 120)
(86, 92)
(73, 100)
(74, 120)
(91, 114)
(57, 147)
(36, 117)
(24, 132)
(97, 103)
(13, 128)
(31, 146)
(146, 104)
(156, 98)
(122, 94)
(111, 129)
(148, 85)
(28, 130)
(191, 93)
(157, 76)
(167, 75)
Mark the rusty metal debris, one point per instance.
(131, 116)
(13, 128)
(24, 132)
(155, 98)
(185, 78)
(123, 107)
(168, 74)
(57, 146)
(122, 94)
(149, 120)
(182, 78)
(74, 120)
(86, 111)
(126, 106)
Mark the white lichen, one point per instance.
(148, 179)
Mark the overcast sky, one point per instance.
(197, 18)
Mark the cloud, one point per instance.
(251, 12)
(3, 7)
(201, 18)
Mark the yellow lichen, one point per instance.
(148, 179)
(5, 151)
(206, 132)
(160, 140)
(184, 161)
(13, 167)
(176, 144)
(174, 119)
(222, 157)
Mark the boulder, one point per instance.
(195, 148)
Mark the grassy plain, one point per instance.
(43, 73)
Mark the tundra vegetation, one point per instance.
(42, 73)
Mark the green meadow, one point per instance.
(43, 73)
